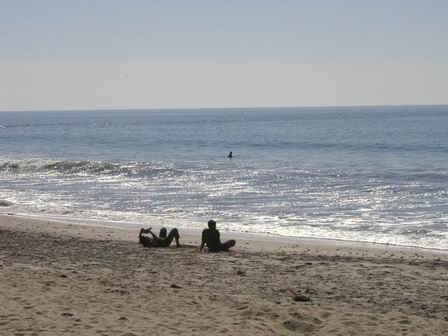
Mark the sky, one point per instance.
(111, 54)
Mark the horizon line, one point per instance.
(222, 108)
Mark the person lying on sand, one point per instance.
(162, 241)
(210, 237)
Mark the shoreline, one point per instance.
(268, 239)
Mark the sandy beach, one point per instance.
(66, 279)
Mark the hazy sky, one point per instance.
(83, 54)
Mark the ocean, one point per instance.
(369, 174)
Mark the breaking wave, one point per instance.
(86, 167)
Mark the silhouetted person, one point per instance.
(210, 237)
(158, 241)
(163, 233)
(230, 155)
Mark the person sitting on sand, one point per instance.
(162, 241)
(211, 237)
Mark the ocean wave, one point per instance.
(84, 124)
(5, 203)
(86, 167)
(16, 126)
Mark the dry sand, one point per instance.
(59, 279)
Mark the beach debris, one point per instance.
(241, 272)
(301, 298)
(67, 314)
(123, 318)
(175, 286)
(5, 203)
(118, 291)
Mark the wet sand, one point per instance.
(66, 279)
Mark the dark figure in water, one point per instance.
(210, 237)
(230, 155)
(162, 241)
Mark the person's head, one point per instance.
(212, 224)
(162, 233)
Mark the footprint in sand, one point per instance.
(300, 326)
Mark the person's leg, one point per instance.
(228, 244)
(174, 234)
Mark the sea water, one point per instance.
(374, 174)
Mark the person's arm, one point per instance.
(154, 237)
(203, 240)
(141, 236)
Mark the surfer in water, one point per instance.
(230, 155)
